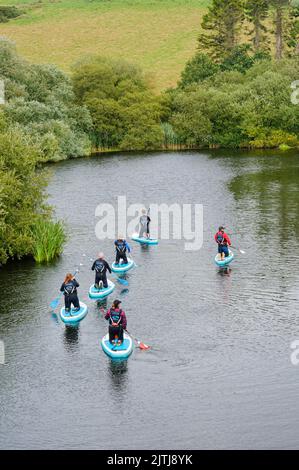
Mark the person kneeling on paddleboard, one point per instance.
(69, 289)
(121, 246)
(223, 241)
(100, 266)
(144, 222)
(117, 322)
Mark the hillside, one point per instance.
(159, 35)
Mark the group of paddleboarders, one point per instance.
(115, 315)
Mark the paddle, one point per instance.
(235, 247)
(141, 345)
(54, 304)
(121, 281)
(241, 251)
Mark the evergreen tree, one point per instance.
(221, 27)
(257, 12)
(293, 37)
(281, 18)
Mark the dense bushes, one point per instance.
(41, 103)
(247, 108)
(22, 196)
(125, 112)
(9, 12)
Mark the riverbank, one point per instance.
(184, 148)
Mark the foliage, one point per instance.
(48, 240)
(200, 67)
(8, 12)
(22, 197)
(41, 103)
(125, 112)
(251, 108)
(221, 27)
(257, 12)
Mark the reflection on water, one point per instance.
(225, 271)
(71, 337)
(124, 292)
(118, 370)
(102, 304)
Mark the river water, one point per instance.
(219, 374)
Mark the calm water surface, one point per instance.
(219, 374)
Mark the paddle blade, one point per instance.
(124, 292)
(143, 346)
(122, 281)
(54, 303)
(242, 252)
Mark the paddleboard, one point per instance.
(226, 261)
(144, 240)
(118, 352)
(122, 268)
(95, 293)
(72, 317)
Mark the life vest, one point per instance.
(115, 317)
(69, 288)
(220, 238)
(121, 246)
(99, 266)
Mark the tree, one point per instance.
(41, 101)
(239, 59)
(200, 67)
(293, 39)
(221, 27)
(22, 197)
(281, 10)
(257, 12)
(126, 113)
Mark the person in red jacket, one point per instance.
(223, 241)
(117, 323)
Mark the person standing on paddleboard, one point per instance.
(69, 289)
(121, 246)
(144, 222)
(100, 266)
(223, 241)
(117, 322)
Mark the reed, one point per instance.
(48, 240)
(171, 140)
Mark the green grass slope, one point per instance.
(159, 35)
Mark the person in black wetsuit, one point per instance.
(144, 222)
(69, 289)
(121, 250)
(100, 266)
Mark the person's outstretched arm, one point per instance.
(228, 240)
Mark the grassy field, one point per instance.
(159, 35)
